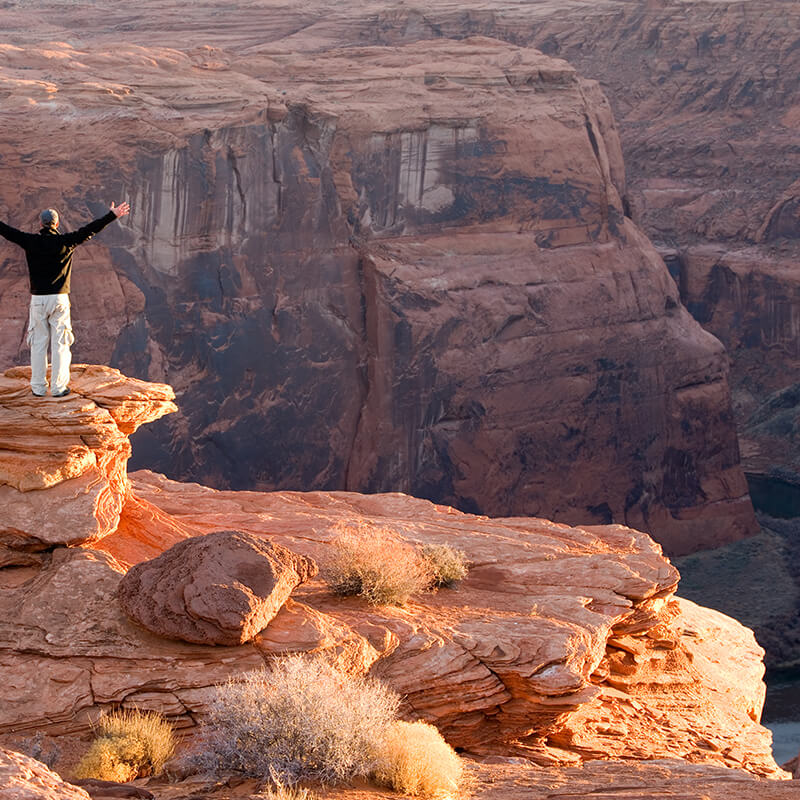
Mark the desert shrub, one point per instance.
(446, 564)
(413, 758)
(280, 791)
(300, 719)
(377, 565)
(35, 748)
(128, 744)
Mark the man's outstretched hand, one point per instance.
(121, 210)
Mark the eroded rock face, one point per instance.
(436, 261)
(24, 778)
(223, 588)
(501, 779)
(68, 651)
(563, 644)
(63, 462)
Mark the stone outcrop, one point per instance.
(608, 780)
(431, 253)
(223, 588)
(563, 644)
(63, 462)
(24, 778)
(708, 103)
(706, 100)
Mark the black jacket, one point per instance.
(49, 253)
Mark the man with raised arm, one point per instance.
(49, 256)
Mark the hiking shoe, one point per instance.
(36, 394)
(63, 393)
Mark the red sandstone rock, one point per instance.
(562, 644)
(63, 462)
(223, 588)
(68, 651)
(428, 244)
(24, 778)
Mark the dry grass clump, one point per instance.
(301, 719)
(377, 565)
(446, 564)
(413, 758)
(129, 744)
(280, 791)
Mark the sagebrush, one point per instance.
(128, 744)
(302, 718)
(377, 565)
(413, 758)
(446, 565)
(280, 791)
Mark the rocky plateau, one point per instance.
(562, 646)
(407, 265)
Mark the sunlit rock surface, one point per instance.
(563, 643)
(223, 588)
(24, 778)
(63, 461)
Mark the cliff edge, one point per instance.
(433, 252)
(563, 644)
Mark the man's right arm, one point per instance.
(12, 234)
(87, 231)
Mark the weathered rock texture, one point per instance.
(563, 643)
(602, 780)
(223, 588)
(707, 100)
(424, 248)
(63, 462)
(24, 778)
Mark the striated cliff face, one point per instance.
(707, 99)
(562, 645)
(384, 268)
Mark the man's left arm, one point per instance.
(12, 234)
(87, 231)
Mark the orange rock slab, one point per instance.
(25, 778)
(563, 644)
(63, 462)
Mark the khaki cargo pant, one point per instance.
(49, 322)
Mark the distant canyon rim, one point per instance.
(373, 253)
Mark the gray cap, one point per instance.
(49, 218)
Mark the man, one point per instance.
(49, 256)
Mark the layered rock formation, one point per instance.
(63, 463)
(429, 255)
(562, 644)
(708, 102)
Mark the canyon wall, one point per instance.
(381, 268)
(707, 98)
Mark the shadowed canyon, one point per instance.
(303, 254)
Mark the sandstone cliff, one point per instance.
(419, 276)
(563, 644)
(707, 101)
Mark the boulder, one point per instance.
(223, 588)
(24, 778)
